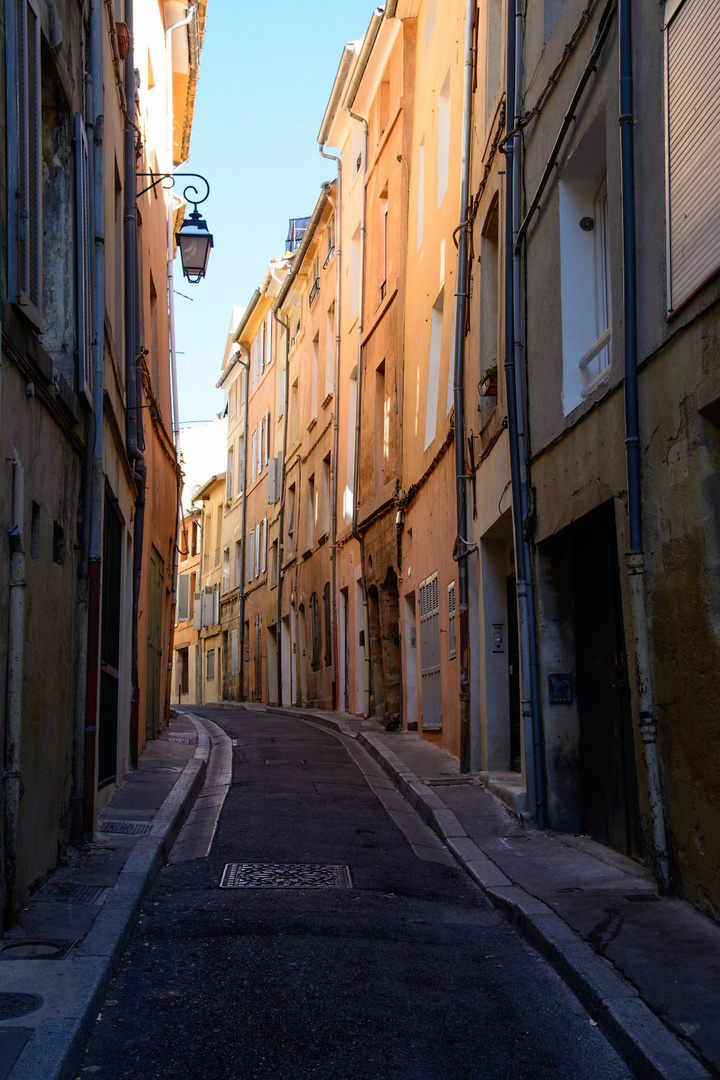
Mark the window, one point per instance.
(355, 261)
(328, 625)
(218, 535)
(226, 571)
(452, 645)
(269, 339)
(184, 671)
(330, 239)
(314, 633)
(421, 193)
(251, 555)
(443, 139)
(349, 493)
(310, 516)
(216, 605)
(263, 546)
(433, 382)
(255, 362)
(83, 264)
(294, 412)
(314, 379)
(253, 457)
(230, 471)
(429, 604)
(290, 511)
(183, 598)
(382, 243)
(258, 537)
(584, 268)
(325, 498)
(262, 347)
(329, 355)
(58, 544)
(24, 129)
(241, 465)
(234, 652)
(210, 665)
(692, 48)
(238, 562)
(232, 396)
(382, 426)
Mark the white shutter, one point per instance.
(257, 550)
(263, 547)
(272, 472)
(216, 605)
(267, 437)
(251, 555)
(183, 598)
(281, 392)
(269, 338)
(207, 607)
(233, 652)
(693, 143)
(197, 611)
(253, 458)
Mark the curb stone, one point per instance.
(647, 1045)
(54, 1050)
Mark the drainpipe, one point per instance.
(462, 548)
(358, 422)
(635, 558)
(243, 519)
(13, 699)
(243, 523)
(85, 776)
(133, 369)
(336, 430)
(334, 101)
(516, 429)
(281, 518)
(348, 102)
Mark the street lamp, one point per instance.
(194, 240)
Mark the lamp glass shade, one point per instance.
(194, 243)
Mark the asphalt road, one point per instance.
(409, 974)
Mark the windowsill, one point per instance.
(312, 424)
(327, 400)
(603, 377)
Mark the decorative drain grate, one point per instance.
(642, 898)
(36, 949)
(12, 1005)
(285, 876)
(176, 739)
(129, 828)
(68, 893)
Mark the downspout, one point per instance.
(14, 696)
(281, 517)
(243, 517)
(334, 101)
(358, 420)
(336, 430)
(462, 548)
(348, 102)
(516, 429)
(133, 372)
(635, 558)
(245, 364)
(85, 783)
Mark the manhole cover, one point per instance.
(642, 898)
(12, 1005)
(129, 828)
(69, 893)
(285, 876)
(36, 949)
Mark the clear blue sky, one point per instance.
(266, 73)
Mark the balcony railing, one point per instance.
(328, 257)
(314, 292)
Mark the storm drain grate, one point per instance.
(12, 1005)
(285, 761)
(66, 892)
(642, 898)
(36, 949)
(129, 828)
(285, 876)
(177, 739)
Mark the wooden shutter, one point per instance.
(452, 647)
(197, 611)
(233, 652)
(83, 255)
(693, 144)
(27, 160)
(429, 603)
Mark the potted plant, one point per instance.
(488, 384)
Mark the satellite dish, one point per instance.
(194, 491)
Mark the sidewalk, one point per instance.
(647, 968)
(57, 961)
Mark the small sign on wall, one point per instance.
(498, 637)
(560, 687)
